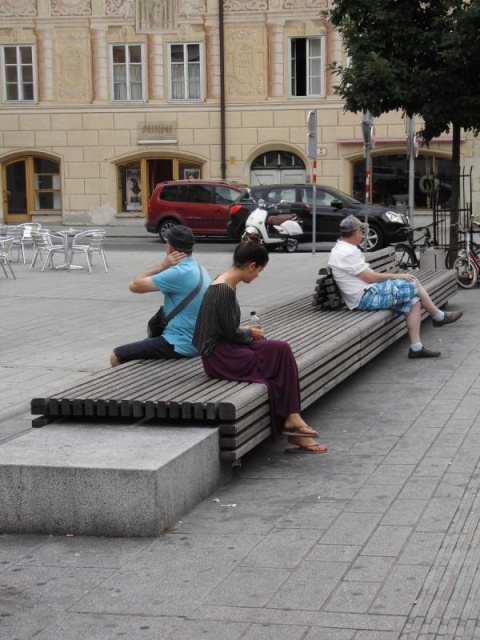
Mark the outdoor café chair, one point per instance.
(48, 244)
(22, 237)
(5, 246)
(89, 242)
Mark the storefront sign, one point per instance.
(157, 133)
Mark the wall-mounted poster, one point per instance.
(133, 190)
(191, 174)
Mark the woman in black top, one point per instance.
(232, 352)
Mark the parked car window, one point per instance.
(246, 197)
(303, 195)
(274, 196)
(287, 195)
(174, 193)
(225, 195)
(200, 193)
(326, 198)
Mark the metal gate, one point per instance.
(442, 212)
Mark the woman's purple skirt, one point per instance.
(269, 362)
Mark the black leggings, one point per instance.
(147, 349)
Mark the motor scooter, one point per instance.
(275, 229)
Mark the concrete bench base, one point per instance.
(106, 481)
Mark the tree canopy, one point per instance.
(419, 57)
(414, 56)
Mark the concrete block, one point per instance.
(106, 480)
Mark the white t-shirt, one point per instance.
(346, 262)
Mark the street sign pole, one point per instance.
(312, 154)
(367, 127)
(411, 152)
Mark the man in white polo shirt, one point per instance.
(365, 289)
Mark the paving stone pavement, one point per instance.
(376, 540)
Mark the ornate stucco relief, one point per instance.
(17, 36)
(121, 34)
(14, 8)
(73, 66)
(121, 8)
(304, 4)
(189, 7)
(245, 59)
(258, 5)
(246, 5)
(157, 15)
(71, 7)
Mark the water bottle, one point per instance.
(254, 320)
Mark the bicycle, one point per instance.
(466, 261)
(406, 255)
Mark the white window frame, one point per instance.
(128, 86)
(185, 64)
(309, 58)
(19, 67)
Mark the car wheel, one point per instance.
(375, 238)
(165, 227)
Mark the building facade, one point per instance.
(102, 99)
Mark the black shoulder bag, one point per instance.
(157, 323)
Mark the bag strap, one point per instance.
(181, 306)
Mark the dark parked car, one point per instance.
(202, 205)
(385, 225)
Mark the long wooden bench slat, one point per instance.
(148, 385)
(96, 385)
(232, 455)
(234, 441)
(329, 345)
(232, 408)
(233, 428)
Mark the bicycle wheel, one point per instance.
(467, 272)
(405, 257)
(451, 256)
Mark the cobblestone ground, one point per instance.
(376, 540)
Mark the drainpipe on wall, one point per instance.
(223, 162)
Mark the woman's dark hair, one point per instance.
(251, 250)
(135, 185)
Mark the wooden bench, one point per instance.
(329, 341)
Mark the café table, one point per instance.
(68, 235)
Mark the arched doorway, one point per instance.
(277, 167)
(30, 185)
